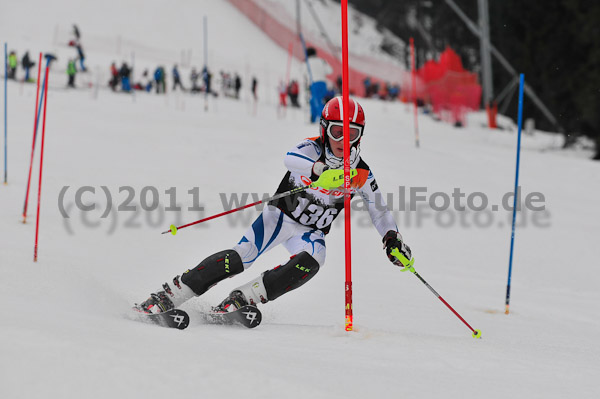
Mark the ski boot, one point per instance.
(233, 302)
(157, 303)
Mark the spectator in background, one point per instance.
(227, 84)
(26, 63)
(329, 94)
(374, 90)
(282, 106)
(146, 82)
(282, 94)
(238, 85)
(76, 32)
(207, 77)
(159, 78)
(385, 91)
(125, 74)
(254, 87)
(176, 78)
(293, 92)
(71, 72)
(194, 76)
(12, 65)
(367, 83)
(80, 55)
(114, 77)
(142, 84)
(339, 84)
(317, 69)
(394, 92)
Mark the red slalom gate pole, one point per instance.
(346, 103)
(413, 73)
(37, 223)
(35, 121)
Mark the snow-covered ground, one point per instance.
(64, 331)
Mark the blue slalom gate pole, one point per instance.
(37, 123)
(5, 109)
(205, 29)
(514, 218)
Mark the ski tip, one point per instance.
(252, 316)
(248, 316)
(179, 320)
(174, 318)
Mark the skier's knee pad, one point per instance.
(297, 271)
(213, 269)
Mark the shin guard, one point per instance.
(213, 269)
(297, 271)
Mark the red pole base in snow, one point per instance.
(349, 325)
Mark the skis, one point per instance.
(174, 318)
(248, 316)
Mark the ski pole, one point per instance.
(410, 268)
(173, 229)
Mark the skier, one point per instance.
(299, 223)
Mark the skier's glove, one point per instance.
(332, 178)
(403, 256)
(318, 169)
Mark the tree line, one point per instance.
(554, 43)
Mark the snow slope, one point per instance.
(363, 33)
(63, 325)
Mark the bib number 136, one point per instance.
(312, 214)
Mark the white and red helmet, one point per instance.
(332, 122)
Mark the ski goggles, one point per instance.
(335, 131)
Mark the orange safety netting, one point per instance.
(448, 87)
